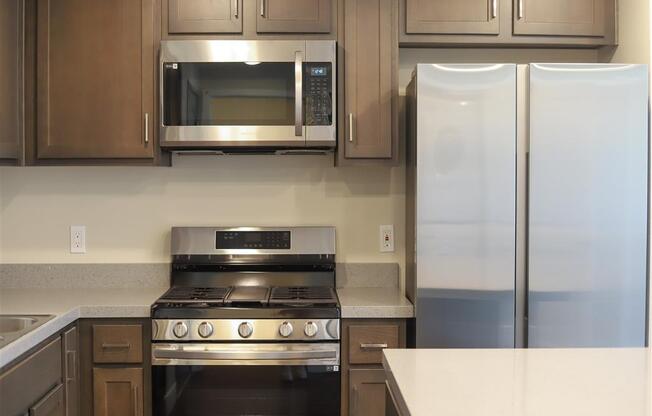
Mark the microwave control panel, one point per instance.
(318, 93)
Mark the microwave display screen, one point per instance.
(318, 71)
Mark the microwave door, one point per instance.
(248, 97)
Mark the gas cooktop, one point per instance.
(249, 296)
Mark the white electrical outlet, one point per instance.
(78, 239)
(386, 238)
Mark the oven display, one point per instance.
(265, 240)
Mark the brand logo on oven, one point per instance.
(171, 66)
(333, 368)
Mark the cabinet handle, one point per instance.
(146, 128)
(372, 346)
(494, 8)
(262, 8)
(236, 8)
(351, 127)
(124, 346)
(520, 9)
(136, 406)
(71, 366)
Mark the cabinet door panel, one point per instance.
(11, 79)
(367, 392)
(370, 55)
(50, 405)
(95, 65)
(294, 16)
(560, 17)
(118, 391)
(452, 16)
(205, 16)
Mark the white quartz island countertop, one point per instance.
(68, 305)
(532, 382)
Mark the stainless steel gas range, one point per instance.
(250, 326)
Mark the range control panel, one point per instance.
(265, 240)
(318, 93)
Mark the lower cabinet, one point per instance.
(46, 382)
(367, 392)
(115, 367)
(363, 376)
(118, 391)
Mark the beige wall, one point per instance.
(128, 211)
(633, 34)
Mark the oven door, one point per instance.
(220, 94)
(246, 379)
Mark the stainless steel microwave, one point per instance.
(248, 95)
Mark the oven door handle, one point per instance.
(182, 354)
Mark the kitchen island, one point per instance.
(519, 382)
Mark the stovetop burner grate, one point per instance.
(195, 294)
(312, 294)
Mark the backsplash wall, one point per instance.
(128, 211)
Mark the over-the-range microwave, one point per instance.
(236, 95)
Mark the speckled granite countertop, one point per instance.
(68, 305)
(374, 302)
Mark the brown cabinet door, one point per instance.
(51, 404)
(11, 83)
(71, 371)
(370, 61)
(95, 74)
(561, 17)
(205, 16)
(466, 17)
(32, 379)
(367, 392)
(294, 16)
(117, 391)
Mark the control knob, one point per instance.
(205, 329)
(310, 329)
(285, 329)
(245, 330)
(180, 329)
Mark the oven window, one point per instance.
(246, 391)
(228, 94)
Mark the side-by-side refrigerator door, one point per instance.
(588, 205)
(465, 205)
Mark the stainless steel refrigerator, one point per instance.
(527, 205)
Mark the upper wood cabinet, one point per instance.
(95, 79)
(560, 17)
(205, 16)
(452, 16)
(294, 16)
(370, 79)
(549, 23)
(11, 82)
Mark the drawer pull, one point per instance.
(372, 346)
(124, 346)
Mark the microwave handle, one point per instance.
(298, 93)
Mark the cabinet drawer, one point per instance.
(117, 344)
(366, 342)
